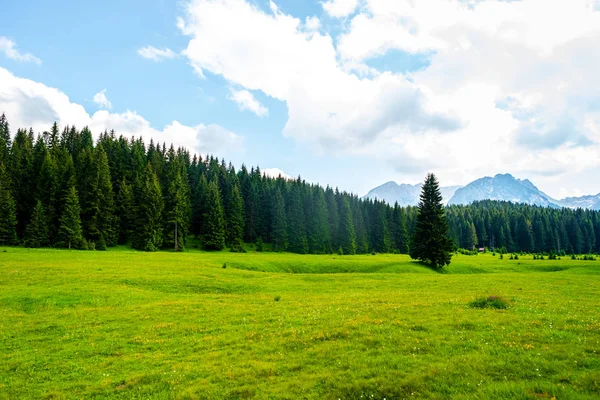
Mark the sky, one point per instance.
(346, 93)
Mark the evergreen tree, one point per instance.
(177, 213)
(8, 209)
(70, 232)
(214, 219)
(347, 234)
(279, 229)
(236, 221)
(125, 209)
(319, 237)
(430, 242)
(149, 204)
(36, 234)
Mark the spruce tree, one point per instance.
(214, 219)
(236, 221)
(431, 244)
(278, 219)
(346, 231)
(125, 209)
(319, 237)
(8, 210)
(148, 227)
(36, 234)
(177, 213)
(70, 234)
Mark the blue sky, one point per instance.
(350, 93)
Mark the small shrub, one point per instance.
(496, 302)
(501, 256)
(277, 298)
(259, 245)
(340, 251)
(373, 253)
(573, 257)
(224, 265)
(516, 257)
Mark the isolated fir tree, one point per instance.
(8, 210)
(214, 219)
(346, 232)
(430, 242)
(70, 233)
(147, 231)
(36, 234)
(236, 221)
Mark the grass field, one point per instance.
(123, 324)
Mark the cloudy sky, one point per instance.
(350, 93)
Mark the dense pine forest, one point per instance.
(61, 189)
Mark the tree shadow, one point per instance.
(437, 270)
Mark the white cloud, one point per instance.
(326, 105)
(31, 104)
(340, 8)
(312, 23)
(247, 101)
(101, 100)
(9, 48)
(275, 173)
(154, 54)
(505, 90)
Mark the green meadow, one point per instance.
(131, 325)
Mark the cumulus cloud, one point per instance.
(326, 104)
(101, 100)
(504, 91)
(154, 54)
(340, 8)
(32, 104)
(9, 48)
(247, 101)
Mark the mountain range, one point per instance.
(500, 187)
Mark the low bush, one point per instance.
(496, 302)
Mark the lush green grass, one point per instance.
(121, 324)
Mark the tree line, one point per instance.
(60, 188)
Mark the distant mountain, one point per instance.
(586, 202)
(404, 194)
(503, 187)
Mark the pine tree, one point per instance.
(36, 234)
(278, 219)
(5, 142)
(70, 234)
(177, 213)
(430, 242)
(149, 205)
(8, 210)
(236, 221)
(319, 237)
(214, 219)
(347, 234)
(125, 209)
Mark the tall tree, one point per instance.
(278, 219)
(430, 242)
(214, 219)
(125, 209)
(347, 234)
(8, 210)
(70, 233)
(148, 228)
(36, 234)
(177, 212)
(236, 221)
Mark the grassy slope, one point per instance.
(164, 325)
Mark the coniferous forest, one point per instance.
(60, 189)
